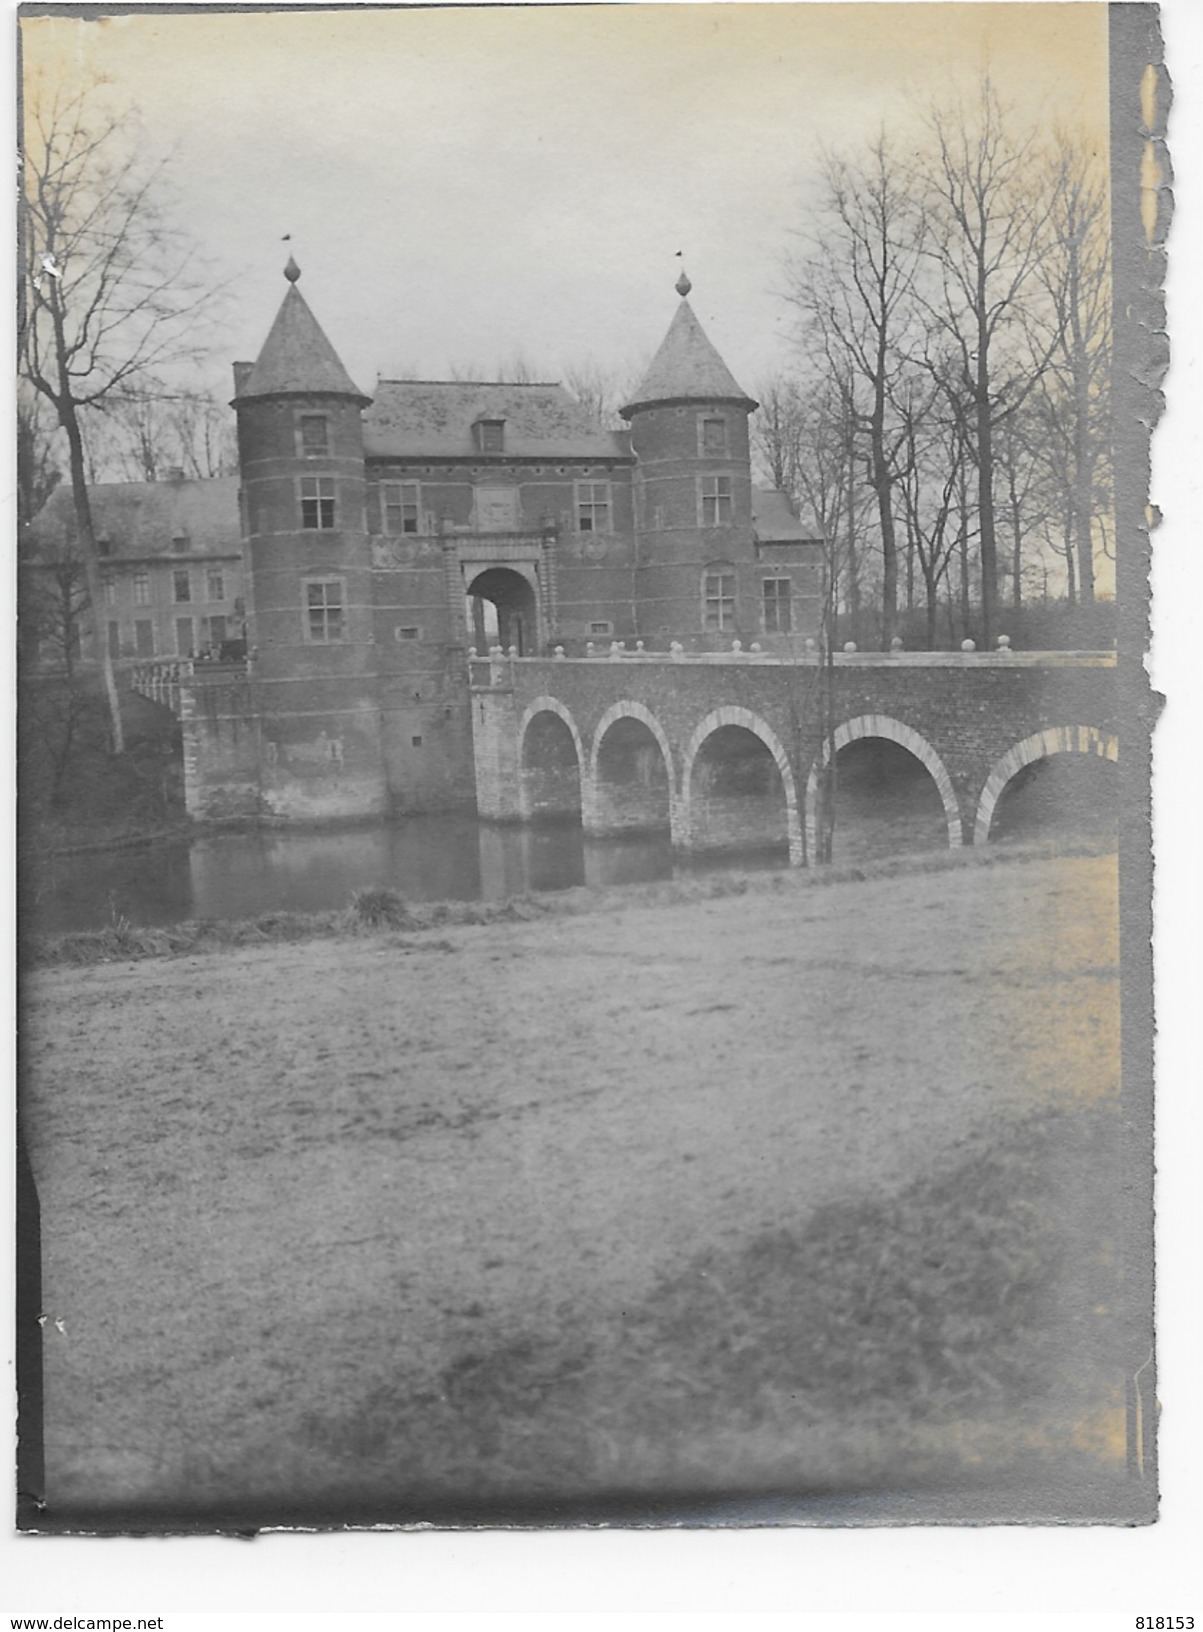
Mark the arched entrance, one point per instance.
(549, 763)
(631, 776)
(502, 610)
(893, 793)
(1060, 780)
(737, 787)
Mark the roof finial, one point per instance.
(683, 285)
(292, 271)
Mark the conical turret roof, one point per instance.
(686, 368)
(296, 357)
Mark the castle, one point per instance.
(383, 537)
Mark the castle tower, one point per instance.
(693, 490)
(308, 562)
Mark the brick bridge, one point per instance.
(726, 748)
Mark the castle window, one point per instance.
(182, 585)
(317, 502)
(110, 591)
(712, 436)
(718, 598)
(401, 502)
(315, 434)
(142, 589)
(216, 584)
(490, 435)
(714, 501)
(778, 617)
(325, 610)
(593, 507)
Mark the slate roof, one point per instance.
(686, 368)
(141, 518)
(297, 358)
(774, 521)
(421, 419)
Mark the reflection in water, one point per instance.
(241, 875)
(457, 858)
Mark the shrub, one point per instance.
(379, 906)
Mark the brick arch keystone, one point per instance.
(1058, 739)
(627, 709)
(882, 725)
(734, 714)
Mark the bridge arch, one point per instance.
(736, 714)
(1058, 739)
(628, 709)
(632, 776)
(882, 725)
(548, 788)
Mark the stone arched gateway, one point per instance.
(529, 804)
(882, 725)
(1060, 739)
(735, 714)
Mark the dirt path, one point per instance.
(273, 1178)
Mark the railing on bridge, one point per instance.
(496, 667)
(161, 679)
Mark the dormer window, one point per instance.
(315, 435)
(490, 435)
(104, 546)
(180, 544)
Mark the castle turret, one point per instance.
(689, 432)
(308, 565)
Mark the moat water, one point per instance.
(441, 858)
(424, 858)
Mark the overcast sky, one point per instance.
(465, 185)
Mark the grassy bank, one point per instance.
(728, 1187)
(382, 910)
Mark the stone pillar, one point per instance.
(495, 751)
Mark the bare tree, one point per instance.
(856, 297)
(147, 432)
(931, 469)
(109, 298)
(987, 208)
(596, 389)
(38, 472)
(778, 429)
(52, 599)
(1076, 274)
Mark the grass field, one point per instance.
(782, 1191)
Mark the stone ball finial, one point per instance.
(683, 285)
(292, 271)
